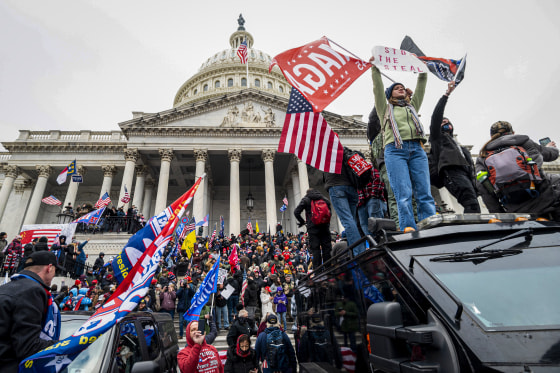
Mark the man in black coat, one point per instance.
(240, 326)
(319, 235)
(454, 162)
(23, 316)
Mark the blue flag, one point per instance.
(208, 286)
(91, 218)
(283, 208)
(370, 291)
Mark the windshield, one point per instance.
(509, 292)
(90, 359)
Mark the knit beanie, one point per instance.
(389, 91)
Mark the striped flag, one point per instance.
(103, 201)
(244, 287)
(250, 226)
(126, 197)
(51, 200)
(51, 231)
(283, 208)
(190, 225)
(285, 200)
(212, 237)
(242, 51)
(308, 135)
(348, 359)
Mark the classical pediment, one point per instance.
(246, 109)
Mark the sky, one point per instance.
(75, 65)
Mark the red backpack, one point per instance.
(320, 213)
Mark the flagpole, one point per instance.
(353, 55)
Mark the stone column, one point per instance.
(147, 204)
(35, 202)
(72, 191)
(161, 198)
(10, 175)
(303, 178)
(130, 156)
(108, 172)
(297, 198)
(289, 213)
(234, 208)
(268, 158)
(201, 156)
(139, 187)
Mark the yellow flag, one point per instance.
(257, 226)
(188, 243)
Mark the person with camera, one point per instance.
(198, 355)
(184, 297)
(167, 299)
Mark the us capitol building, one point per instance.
(221, 124)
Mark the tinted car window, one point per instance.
(150, 334)
(128, 350)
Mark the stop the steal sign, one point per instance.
(393, 59)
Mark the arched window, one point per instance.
(230, 82)
(195, 92)
(269, 85)
(243, 82)
(257, 83)
(217, 84)
(205, 89)
(281, 89)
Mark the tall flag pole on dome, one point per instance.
(308, 135)
(125, 298)
(334, 72)
(68, 170)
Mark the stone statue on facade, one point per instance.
(241, 22)
(249, 115)
(269, 117)
(231, 117)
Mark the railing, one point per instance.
(112, 224)
(5, 157)
(72, 267)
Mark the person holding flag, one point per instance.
(403, 137)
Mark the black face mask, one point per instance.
(242, 320)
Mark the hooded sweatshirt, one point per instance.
(198, 358)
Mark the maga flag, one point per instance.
(91, 217)
(319, 72)
(126, 297)
(445, 69)
(138, 243)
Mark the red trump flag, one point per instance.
(319, 72)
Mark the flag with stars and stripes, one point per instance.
(126, 197)
(250, 226)
(308, 135)
(191, 225)
(51, 200)
(285, 200)
(103, 201)
(327, 74)
(242, 51)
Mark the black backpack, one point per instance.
(276, 358)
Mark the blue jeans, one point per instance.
(182, 323)
(232, 301)
(282, 316)
(222, 311)
(344, 199)
(373, 208)
(408, 173)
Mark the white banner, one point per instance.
(228, 291)
(222, 274)
(392, 59)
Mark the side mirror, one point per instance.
(145, 367)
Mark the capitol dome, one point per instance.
(223, 73)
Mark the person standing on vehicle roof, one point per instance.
(454, 162)
(403, 139)
(198, 356)
(29, 318)
(547, 197)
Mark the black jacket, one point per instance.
(305, 204)
(22, 310)
(252, 294)
(236, 329)
(99, 262)
(238, 364)
(444, 147)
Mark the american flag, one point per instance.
(212, 237)
(348, 359)
(126, 197)
(242, 52)
(308, 135)
(104, 200)
(244, 287)
(51, 200)
(190, 225)
(250, 227)
(285, 200)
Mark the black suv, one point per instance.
(141, 342)
(464, 293)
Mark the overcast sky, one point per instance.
(74, 65)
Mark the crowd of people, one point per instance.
(256, 301)
(113, 219)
